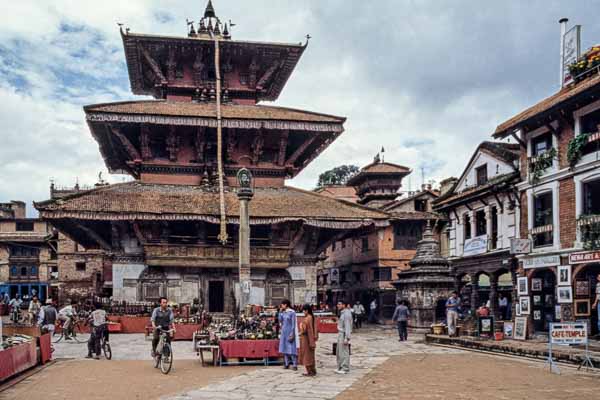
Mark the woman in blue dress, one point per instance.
(288, 340)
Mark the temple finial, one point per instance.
(226, 34)
(192, 30)
(210, 10)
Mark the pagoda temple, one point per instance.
(173, 230)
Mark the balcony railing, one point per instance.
(542, 229)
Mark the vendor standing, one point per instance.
(288, 340)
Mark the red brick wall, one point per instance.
(524, 234)
(565, 137)
(566, 213)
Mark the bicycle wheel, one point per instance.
(54, 335)
(77, 332)
(107, 350)
(166, 361)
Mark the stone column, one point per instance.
(245, 194)
(488, 224)
(473, 224)
(494, 296)
(474, 293)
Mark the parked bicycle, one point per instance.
(105, 345)
(163, 357)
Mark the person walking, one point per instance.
(373, 312)
(452, 305)
(359, 314)
(288, 340)
(401, 314)
(308, 341)
(343, 341)
(33, 310)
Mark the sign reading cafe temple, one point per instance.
(166, 223)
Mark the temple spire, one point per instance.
(210, 10)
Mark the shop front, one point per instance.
(586, 287)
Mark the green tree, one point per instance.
(338, 175)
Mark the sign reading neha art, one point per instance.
(584, 257)
(541, 262)
(474, 246)
(568, 333)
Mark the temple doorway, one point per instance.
(216, 296)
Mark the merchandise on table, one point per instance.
(14, 340)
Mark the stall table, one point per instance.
(250, 351)
(17, 359)
(211, 348)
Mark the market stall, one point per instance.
(18, 353)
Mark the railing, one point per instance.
(542, 229)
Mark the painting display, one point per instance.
(522, 286)
(537, 300)
(520, 328)
(582, 288)
(557, 312)
(564, 275)
(525, 305)
(564, 294)
(582, 308)
(536, 284)
(537, 315)
(508, 330)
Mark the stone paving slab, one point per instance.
(370, 348)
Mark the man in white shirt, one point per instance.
(503, 306)
(373, 312)
(66, 314)
(359, 312)
(98, 327)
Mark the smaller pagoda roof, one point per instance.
(379, 168)
(143, 201)
(205, 114)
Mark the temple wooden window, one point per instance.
(24, 251)
(542, 220)
(80, 266)
(480, 223)
(365, 244)
(406, 236)
(24, 226)
(541, 144)
(494, 233)
(482, 175)
(23, 272)
(260, 235)
(467, 226)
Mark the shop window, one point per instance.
(541, 144)
(357, 276)
(365, 244)
(24, 226)
(482, 175)
(480, 223)
(591, 198)
(407, 235)
(80, 267)
(542, 220)
(382, 274)
(467, 226)
(494, 238)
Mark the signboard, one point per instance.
(474, 246)
(571, 52)
(298, 273)
(568, 333)
(335, 275)
(541, 262)
(584, 257)
(520, 246)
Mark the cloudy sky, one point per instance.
(426, 80)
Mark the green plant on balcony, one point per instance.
(590, 231)
(575, 148)
(541, 163)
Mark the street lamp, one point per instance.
(245, 194)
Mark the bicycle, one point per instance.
(75, 330)
(163, 356)
(105, 345)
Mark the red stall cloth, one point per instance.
(325, 327)
(45, 348)
(249, 348)
(185, 331)
(17, 359)
(130, 324)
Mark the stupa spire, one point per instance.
(210, 10)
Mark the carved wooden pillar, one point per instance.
(494, 295)
(474, 293)
(200, 144)
(283, 140)
(145, 142)
(172, 144)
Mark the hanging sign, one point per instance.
(520, 246)
(571, 52)
(584, 257)
(541, 262)
(474, 246)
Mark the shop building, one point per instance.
(28, 258)
(362, 265)
(173, 230)
(559, 194)
(481, 209)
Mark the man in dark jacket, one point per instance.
(400, 316)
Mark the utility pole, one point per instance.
(245, 194)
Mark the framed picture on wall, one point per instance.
(548, 300)
(518, 309)
(557, 312)
(537, 315)
(537, 300)
(582, 288)
(520, 329)
(582, 308)
(564, 294)
(536, 285)
(508, 330)
(525, 305)
(522, 286)
(564, 275)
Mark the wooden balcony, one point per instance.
(167, 255)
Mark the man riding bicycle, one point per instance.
(67, 315)
(98, 329)
(162, 318)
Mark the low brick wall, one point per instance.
(529, 349)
